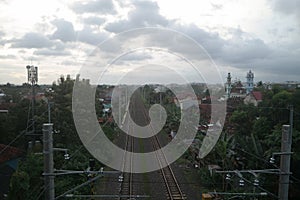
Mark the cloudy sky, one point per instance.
(59, 35)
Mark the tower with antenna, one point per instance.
(228, 85)
(32, 79)
(250, 78)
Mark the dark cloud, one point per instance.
(286, 7)
(211, 41)
(146, 13)
(239, 51)
(58, 49)
(94, 6)
(32, 40)
(87, 35)
(64, 30)
(282, 62)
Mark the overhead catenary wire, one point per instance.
(20, 134)
(79, 186)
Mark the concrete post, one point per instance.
(285, 160)
(48, 162)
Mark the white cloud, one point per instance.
(94, 6)
(50, 52)
(261, 35)
(94, 20)
(2, 33)
(9, 56)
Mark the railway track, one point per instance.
(126, 188)
(173, 190)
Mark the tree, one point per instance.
(280, 103)
(19, 186)
(260, 84)
(243, 118)
(261, 128)
(26, 182)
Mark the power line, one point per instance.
(79, 186)
(41, 193)
(16, 138)
(22, 132)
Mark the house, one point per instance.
(38, 96)
(2, 96)
(9, 158)
(253, 97)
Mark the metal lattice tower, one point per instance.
(32, 78)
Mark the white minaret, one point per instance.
(250, 78)
(228, 85)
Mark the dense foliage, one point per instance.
(27, 181)
(251, 136)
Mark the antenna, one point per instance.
(32, 73)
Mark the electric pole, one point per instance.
(48, 162)
(49, 172)
(285, 160)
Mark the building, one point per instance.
(8, 164)
(228, 85)
(254, 97)
(237, 88)
(2, 96)
(249, 83)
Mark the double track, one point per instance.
(173, 190)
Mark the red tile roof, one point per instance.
(9, 153)
(257, 95)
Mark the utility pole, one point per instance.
(49, 111)
(285, 160)
(91, 168)
(48, 162)
(49, 172)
